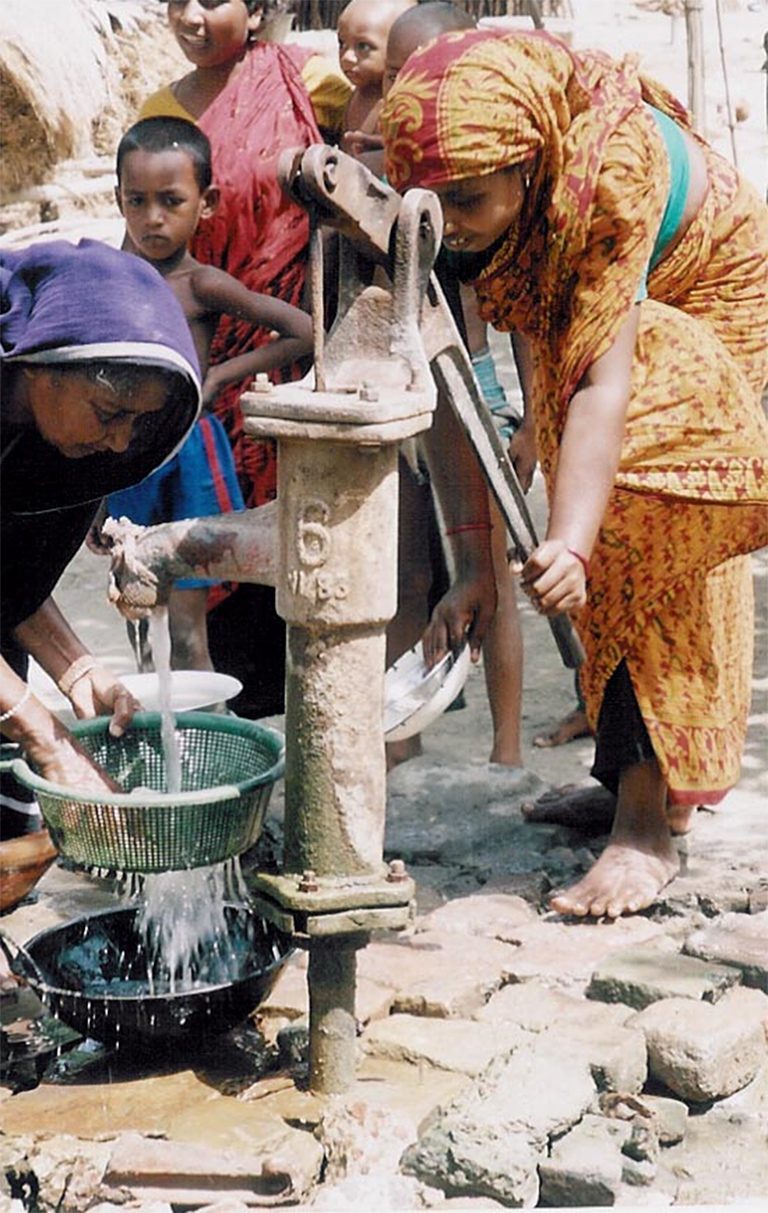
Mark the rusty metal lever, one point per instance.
(342, 193)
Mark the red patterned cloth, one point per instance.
(257, 233)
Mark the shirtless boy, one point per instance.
(164, 188)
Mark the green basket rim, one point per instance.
(211, 722)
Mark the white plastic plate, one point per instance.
(414, 696)
(190, 689)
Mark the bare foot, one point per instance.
(506, 756)
(623, 881)
(592, 809)
(402, 751)
(570, 728)
(587, 808)
(640, 859)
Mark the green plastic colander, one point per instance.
(229, 767)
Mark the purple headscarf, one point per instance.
(68, 303)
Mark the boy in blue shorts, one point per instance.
(164, 188)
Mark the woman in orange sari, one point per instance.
(629, 262)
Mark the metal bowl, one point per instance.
(141, 1015)
(415, 696)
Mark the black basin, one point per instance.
(110, 999)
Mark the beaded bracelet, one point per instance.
(77, 670)
(468, 526)
(581, 559)
(17, 708)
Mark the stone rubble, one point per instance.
(507, 1057)
(702, 1051)
(738, 940)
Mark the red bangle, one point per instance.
(468, 526)
(581, 559)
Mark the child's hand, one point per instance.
(464, 613)
(212, 386)
(355, 143)
(522, 454)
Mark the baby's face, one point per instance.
(400, 46)
(362, 43)
(392, 65)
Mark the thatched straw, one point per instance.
(54, 74)
(72, 74)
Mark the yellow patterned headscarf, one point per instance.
(472, 103)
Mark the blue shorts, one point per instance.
(199, 481)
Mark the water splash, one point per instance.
(185, 934)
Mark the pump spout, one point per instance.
(228, 547)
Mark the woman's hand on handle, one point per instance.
(554, 578)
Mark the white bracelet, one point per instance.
(12, 711)
(77, 670)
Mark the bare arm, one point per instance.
(48, 638)
(366, 147)
(222, 294)
(522, 444)
(46, 742)
(589, 455)
(466, 610)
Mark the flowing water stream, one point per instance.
(181, 916)
(160, 639)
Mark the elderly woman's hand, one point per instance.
(66, 763)
(98, 693)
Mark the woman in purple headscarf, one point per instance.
(100, 384)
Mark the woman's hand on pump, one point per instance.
(554, 578)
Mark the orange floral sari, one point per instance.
(669, 591)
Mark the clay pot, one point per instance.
(22, 862)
